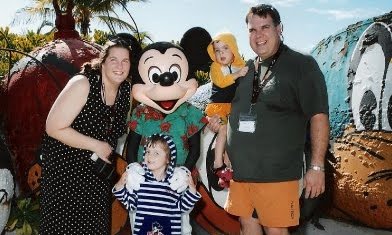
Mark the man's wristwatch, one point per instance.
(317, 168)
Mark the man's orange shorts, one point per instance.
(276, 204)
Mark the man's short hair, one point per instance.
(263, 10)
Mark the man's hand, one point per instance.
(314, 183)
(214, 123)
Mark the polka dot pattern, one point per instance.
(73, 199)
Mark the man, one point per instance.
(282, 91)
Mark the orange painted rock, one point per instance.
(362, 187)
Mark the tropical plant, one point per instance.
(202, 77)
(84, 11)
(10, 43)
(24, 217)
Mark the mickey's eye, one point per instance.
(153, 74)
(371, 80)
(175, 70)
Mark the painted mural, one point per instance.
(357, 66)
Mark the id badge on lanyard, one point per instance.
(247, 121)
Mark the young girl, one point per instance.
(158, 208)
(226, 68)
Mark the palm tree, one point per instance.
(84, 11)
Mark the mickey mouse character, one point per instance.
(163, 90)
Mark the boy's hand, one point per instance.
(214, 123)
(191, 184)
(179, 180)
(121, 182)
(242, 72)
(135, 176)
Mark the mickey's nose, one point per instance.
(167, 79)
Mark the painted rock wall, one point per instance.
(34, 85)
(357, 66)
(6, 184)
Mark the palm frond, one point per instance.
(41, 10)
(120, 24)
(84, 11)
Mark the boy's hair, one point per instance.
(263, 10)
(158, 139)
(168, 145)
(216, 41)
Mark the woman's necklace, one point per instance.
(111, 109)
(104, 94)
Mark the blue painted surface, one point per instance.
(333, 56)
(357, 65)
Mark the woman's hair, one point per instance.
(263, 10)
(121, 40)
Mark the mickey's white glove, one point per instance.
(179, 180)
(135, 176)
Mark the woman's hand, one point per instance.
(103, 150)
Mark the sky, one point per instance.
(305, 22)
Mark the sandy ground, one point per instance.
(332, 227)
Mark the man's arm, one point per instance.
(194, 150)
(314, 180)
(319, 134)
(133, 143)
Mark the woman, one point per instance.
(86, 119)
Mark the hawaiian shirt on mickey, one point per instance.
(180, 125)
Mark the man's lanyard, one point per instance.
(258, 86)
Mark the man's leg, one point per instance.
(279, 203)
(239, 203)
(276, 231)
(250, 226)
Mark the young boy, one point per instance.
(226, 68)
(158, 208)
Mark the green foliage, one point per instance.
(30, 41)
(103, 11)
(24, 217)
(100, 37)
(202, 77)
(25, 43)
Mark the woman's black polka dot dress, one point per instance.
(73, 199)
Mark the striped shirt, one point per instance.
(158, 208)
